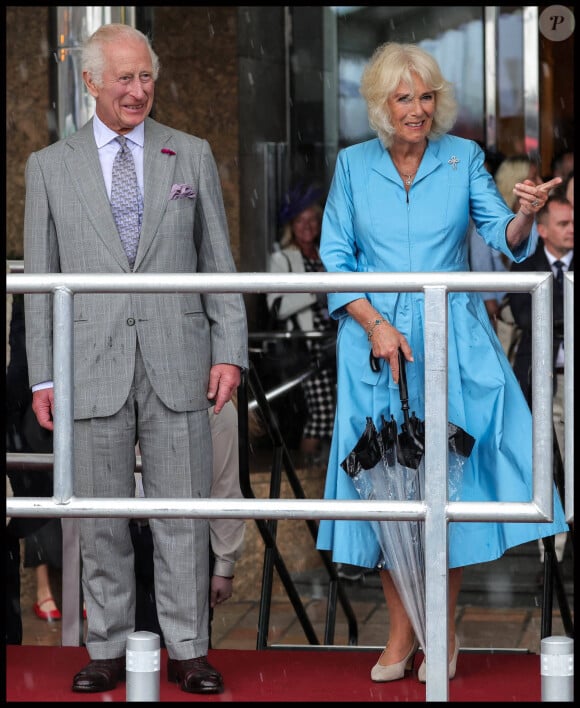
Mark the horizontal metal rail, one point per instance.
(275, 282)
(435, 287)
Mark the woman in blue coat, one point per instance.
(402, 203)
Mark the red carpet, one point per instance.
(283, 675)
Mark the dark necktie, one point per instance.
(126, 200)
(559, 266)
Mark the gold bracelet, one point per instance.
(373, 324)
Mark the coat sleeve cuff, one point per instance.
(223, 568)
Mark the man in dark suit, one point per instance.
(555, 253)
(146, 366)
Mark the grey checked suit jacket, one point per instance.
(69, 228)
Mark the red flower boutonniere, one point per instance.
(167, 151)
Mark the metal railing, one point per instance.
(435, 510)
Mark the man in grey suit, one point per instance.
(146, 366)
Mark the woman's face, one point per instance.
(411, 109)
(306, 227)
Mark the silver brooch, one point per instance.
(453, 161)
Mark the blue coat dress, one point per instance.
(371, 225)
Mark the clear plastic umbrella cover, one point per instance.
(388, 464)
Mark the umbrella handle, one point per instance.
(403, 390)
(375, 363)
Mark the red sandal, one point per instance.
(48, 616)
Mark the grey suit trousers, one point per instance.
(176, 455)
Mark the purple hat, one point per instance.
(297, 200)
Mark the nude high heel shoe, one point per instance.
(396, 671)
(422, 673)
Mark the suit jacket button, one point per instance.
(130, 321)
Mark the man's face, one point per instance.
(557, 229)
(126, 96)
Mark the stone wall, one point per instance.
(27, 108)
(197, 89)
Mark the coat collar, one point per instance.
(82, 162)
(158, 176)
(384, 165)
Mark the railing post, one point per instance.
(436, 521)
(63, 368)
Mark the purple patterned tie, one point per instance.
(126, 200)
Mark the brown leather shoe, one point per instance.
(195, 675)
(99, 675)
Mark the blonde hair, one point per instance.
(392, 63)
(513, 169)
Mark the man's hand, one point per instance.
(224, 380)
(221, 589)
(43, 407)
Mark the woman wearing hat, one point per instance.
(300, 219)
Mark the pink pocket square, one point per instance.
(180, 191)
